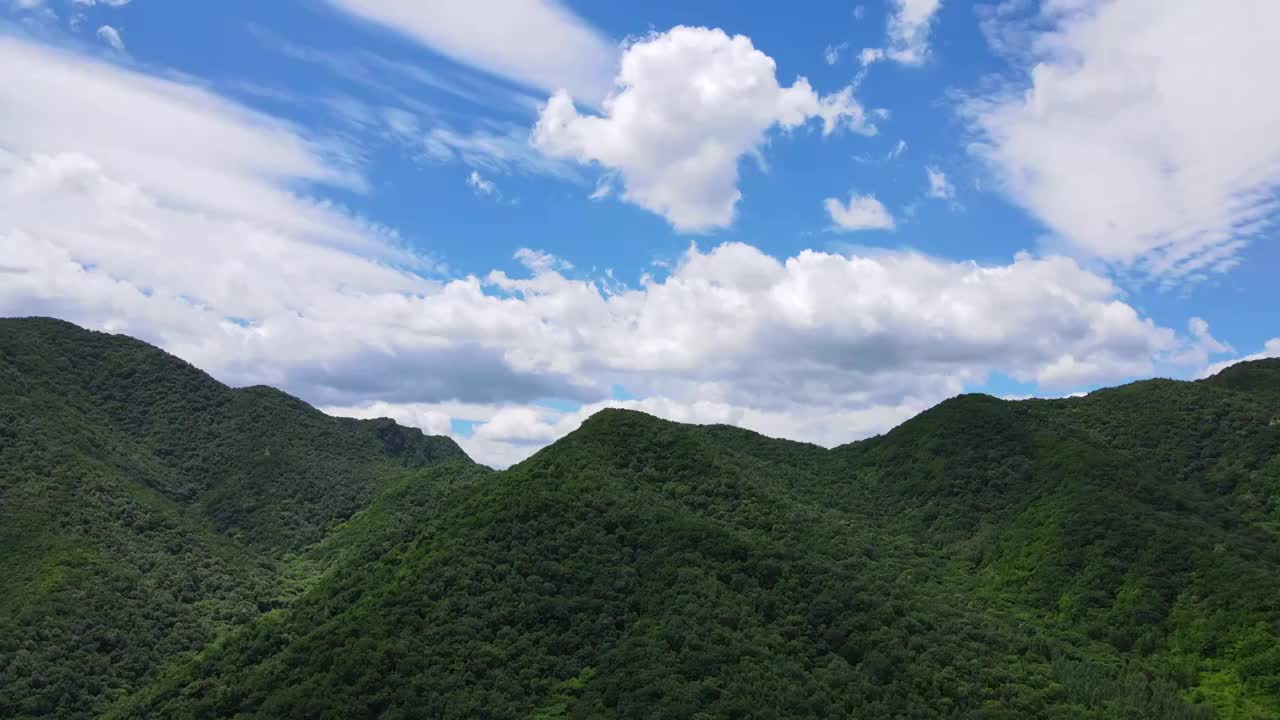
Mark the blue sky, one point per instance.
(493, 218)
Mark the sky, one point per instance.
(491, 219)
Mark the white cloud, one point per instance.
(108, 3)
(907, 33)
(939, 187)
(1145, 135)
(142, 129)
(496, 147)
(1199, 345)
(433, 419)
(859, 316)
(538, 261)
(505, 435)
(538, 43)
(604, 187)
(897, 150)
(862, 212)
(117, 221)
(111, 36)
(117, 218)
(688, 105)
(480, 185)
(519, 425)
(832, 54)
(818, 347)
(403, 82)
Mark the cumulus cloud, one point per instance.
(862, 318)
(117, 221)
(538, 43)
(907, 33)
(820, 347)
(939, 186)
(817, 346)
(688, 104)
(862, 212)
(111, 37)
(1199, 345)
(1144, 132)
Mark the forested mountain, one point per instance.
(1115, 555)
(145, 508)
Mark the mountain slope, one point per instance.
(256, 462)
(1077, 558)
(1115, 555)
(1142, 517)
(635, 569)
(145, 508)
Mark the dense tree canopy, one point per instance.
(1116, 555)
(146, 508)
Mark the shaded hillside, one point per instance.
(144, 507)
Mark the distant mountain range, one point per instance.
(174, 548)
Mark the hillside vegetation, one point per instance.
(146, 508)
(1111, 556)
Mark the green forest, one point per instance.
(174, 548)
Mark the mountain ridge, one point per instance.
(1112, 555)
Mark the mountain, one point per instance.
(1109, 556)
(1114, 555)
(146, 508)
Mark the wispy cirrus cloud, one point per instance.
(397, 80)
(539, 43)
(1141, 133)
